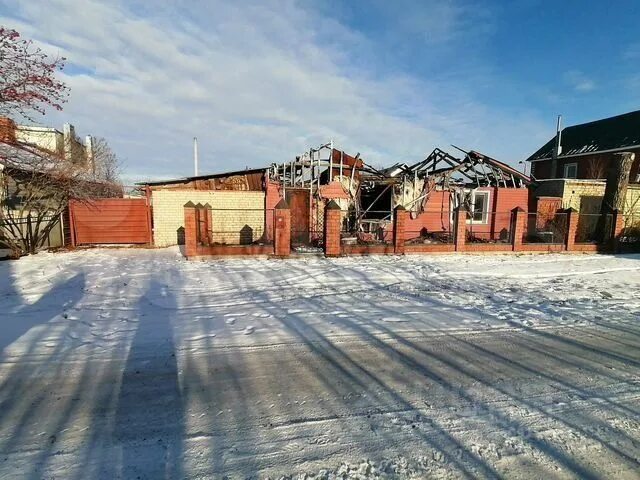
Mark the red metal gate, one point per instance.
(110, 221)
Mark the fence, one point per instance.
(594, 228)
(429, 228)
(236, 227)
(269, 232)
(25, 225)
(629, 239)
(307, 232)
(495, 227)
(375, 230)
(545, 227)
(209, 231)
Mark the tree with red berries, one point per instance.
(28, 80)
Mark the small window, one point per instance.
(479, 208)
(571, 170)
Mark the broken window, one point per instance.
(479, 207)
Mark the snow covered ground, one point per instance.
(139, 364)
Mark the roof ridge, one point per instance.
(615, 117)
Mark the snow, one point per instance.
(139, 364)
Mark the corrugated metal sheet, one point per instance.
(111, 221)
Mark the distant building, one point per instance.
(64, 143)
(585, 151)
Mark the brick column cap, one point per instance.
(282, 205)
(332, 205)
(400, 208)
(189, 205)
(517, 209)
(570, 210)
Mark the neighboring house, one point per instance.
(569, 171)
(585, 151)
(32, 156)
(65, 144)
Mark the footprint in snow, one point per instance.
(248, 330)
(230, 321)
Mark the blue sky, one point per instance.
(261, 81)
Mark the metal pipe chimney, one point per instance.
(195, 156)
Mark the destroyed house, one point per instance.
(241, 203)
(430, 190)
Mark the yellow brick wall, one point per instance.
(575, 190)
(232, 211)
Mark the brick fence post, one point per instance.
(617, 229)
(208, 221)
(460, 219)
(400, 215)
(572, 228)
(332, 221)
(519, 219)
(148, 199)
(190, 230)
(282, 229)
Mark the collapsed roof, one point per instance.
(473, 170)
(440, 168)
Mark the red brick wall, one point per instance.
(435, 218)
(542, 170)
(437, 214)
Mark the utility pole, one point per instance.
(195, 156)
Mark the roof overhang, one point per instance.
(583, 154)
(173, 181)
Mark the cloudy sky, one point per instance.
(260, 81)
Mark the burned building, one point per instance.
(429, 189)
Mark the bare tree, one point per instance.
(36, 187)
(104, 162)
(596, 168)
(36, 183)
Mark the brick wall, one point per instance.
(437, 214)
(589, 166)
(575, 192)
(168, 213)
(436, 217)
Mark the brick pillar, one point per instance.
(147, 192)
(400, 215)
(208, 219)
(460, 222)
(332, 221)
(190, 230)
(618, 229)
(282, 229)
(572, 228)
(518, 226)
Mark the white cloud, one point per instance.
(256, 84)
(579, 81)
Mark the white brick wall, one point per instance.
(228, 219)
